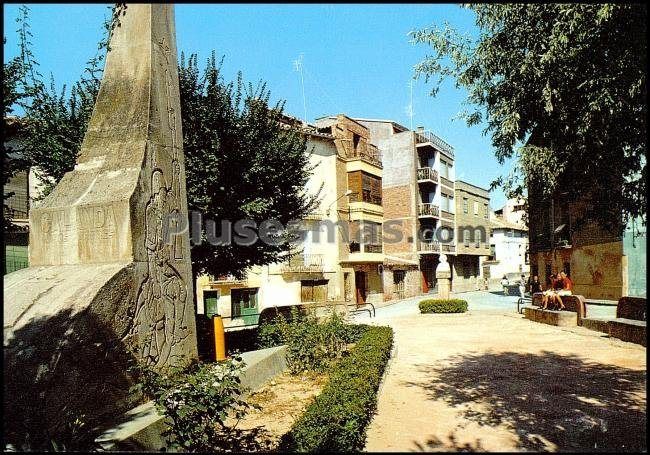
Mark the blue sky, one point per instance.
(357, 60)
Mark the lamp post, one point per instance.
(347, 193)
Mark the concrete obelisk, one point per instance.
(105, 285)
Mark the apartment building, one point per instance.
(473, 236)
(418, 200)
(509, 255)
(339, 260)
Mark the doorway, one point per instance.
(361, 281)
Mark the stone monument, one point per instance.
(105, 286)
(443, 277)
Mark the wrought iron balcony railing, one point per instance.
(422, 137)
(428, 209)
(427, 173)
(366, 196)
(363, 150)
(304, 263)
(368, 248)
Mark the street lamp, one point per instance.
(347, 193)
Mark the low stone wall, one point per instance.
(141, 428)
(557, 318)
(596, 324)
(628, 330)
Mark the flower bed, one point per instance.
(338, 417)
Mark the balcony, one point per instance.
(366, 196)
(448, 248)
(427, 174)
(428, 209)
(430, 247)
(427, 137)
(435, 247)
(363, 150)
(304, 263)
(368, 248)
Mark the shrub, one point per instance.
(443, 306)
(337, 419)
(312, 344)
(196, 401)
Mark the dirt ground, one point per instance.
(282, 400)
(484, 381)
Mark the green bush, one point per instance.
(312, 344)
(337, 419)
(443, 306)
(196, 401)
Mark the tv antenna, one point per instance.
(409, 108)
(298, 65)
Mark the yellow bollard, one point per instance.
(219, 338)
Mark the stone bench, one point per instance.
(629, 323)
(551, 317)
(573, 303)
(628, 330)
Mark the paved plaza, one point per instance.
(491, 380)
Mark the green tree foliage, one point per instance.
(54, 122)
(240, 163)
(562, 87)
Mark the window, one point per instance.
(365, 187)
(475, 208)
(486, 211)
(313, 290)
(465, 205)
(446, 202)
(444, 170)
(243, 301)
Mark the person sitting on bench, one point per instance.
(549, 292)
(567, 288)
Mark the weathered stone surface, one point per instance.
(443, 276)
(630, 330)
(105, 287)
(558, 318)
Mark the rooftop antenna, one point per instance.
(409, 110)
(297, 64)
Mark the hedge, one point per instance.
(443, 306)
(337, 419)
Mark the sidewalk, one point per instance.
(491, 380)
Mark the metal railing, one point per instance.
(428, 209)
(365, 196)
(363, 150)
(304, 263)
(427, 173)
(447, 248)
(432, 246)
(368, 248)
(422, 137)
